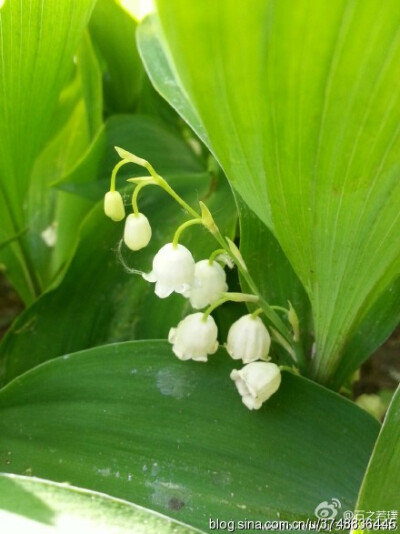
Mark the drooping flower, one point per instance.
(114, 205)
(173, 270)
(194, 337)
(256, 382)
(208, 283)
(137, 232)
(248, 339)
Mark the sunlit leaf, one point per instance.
(37, 42)
(380, 487)
(38, 506)
(89, 72)
(298, 107)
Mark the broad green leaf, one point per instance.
(380, 487)
(380, 321)
(92, 92)
(113, 32)
(97, 301)
(278, 283)
(37, 42)
(54, 217)
(133, 421)
(162, 77)
(299, 109)
(38, 506)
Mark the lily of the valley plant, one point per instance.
(204, 283)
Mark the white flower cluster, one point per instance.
(195, 337)
(204, 284)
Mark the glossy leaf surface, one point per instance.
(133, 421)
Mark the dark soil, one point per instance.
(10, 305)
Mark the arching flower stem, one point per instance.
(182, 227)
(216, 253)
(270, 313)
(256, 313)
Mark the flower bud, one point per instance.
(137, 232)
(173, 270)
(194, 338)
(208, 283)
(114, 205)
(256, 382)
(248, 339)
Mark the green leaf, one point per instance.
(133, 421)
(54, 217)
(113, 32)
(37, 42)
(272, 272)
(298, 107)
(36, 506)
(92, 92)
(377, 326)
(6, 242)
(380, 487)
(118, 306)
(162, 77)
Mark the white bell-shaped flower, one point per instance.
(173, 270)
(194, 338)
(256, 382)
(114, 205)
(248, 339)
(137, 232)
(208, 283)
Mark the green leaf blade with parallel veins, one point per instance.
(30, 504)
(133, 421)
(380, 487)
(37, 43)
(299, 108)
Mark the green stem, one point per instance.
(281, 308)
(135, 196)
(213, 306)
(216, 253)
(240, 297)
(164, 184)
(181, 228)
(256, 313)
(270, 313)
(233, 297)
(114, 172)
